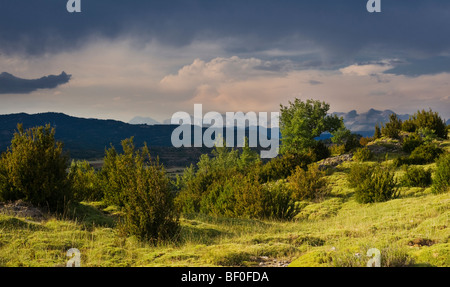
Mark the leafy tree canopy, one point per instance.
(301, 122)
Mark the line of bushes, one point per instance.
(220, 186)
(35, 169)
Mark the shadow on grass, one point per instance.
(199, 235)
(228, 221)
(90, 216)
(12, 223)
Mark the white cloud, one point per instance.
(367, 69)
(235, 84)
(120, 81)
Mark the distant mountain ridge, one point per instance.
(143, 121)
(88, 138)
(364, 123)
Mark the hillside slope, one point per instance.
(412, 230)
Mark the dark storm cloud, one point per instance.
(10, 84)
(417, 67)
(341, 28)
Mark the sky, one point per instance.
(121, 59)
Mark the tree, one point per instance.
(341, 136)
(301, 122)
(33, 169)
(392, 128)
(344, 136)
(427, 120)
(377, 133)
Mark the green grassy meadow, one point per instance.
(412, 230)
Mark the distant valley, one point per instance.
(88, 138)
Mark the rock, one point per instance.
(267, 262)
(383, 147)
(334, 161)
(22, 209)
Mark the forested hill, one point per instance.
(86, 138)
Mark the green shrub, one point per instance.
(238, 196)
(308, 184)
(336, 150)
(249, 197)
(441, 179)
(428, 135)
(141, 188)
(373, 184)
(198, 181)
(427, 120)
(248, 157)
(283, 166)
(409, 126)
(365, 140)
(194, 185)
(425, 154)
(149, 211)
(112, 177)
(85, 183)
(411, 142)
(243, 196)
(358, 173)
(279, 202)
(319, 151)
(401, 160)
(34, 169)
(362, 154)
(416, 176)
(352, 142)
(226, 184)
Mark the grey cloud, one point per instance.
(341, 28)
(276, 66)
(315, 83)
(9, 84)
(429, 66)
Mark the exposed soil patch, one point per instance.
(419, 242)
(264, 261)
(22, 209)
